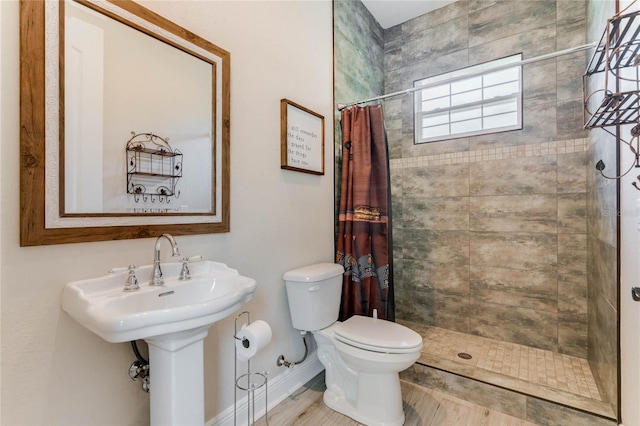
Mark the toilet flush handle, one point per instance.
(314, 288)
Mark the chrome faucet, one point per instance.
(132, 281)
(156, 276)
(184, 272)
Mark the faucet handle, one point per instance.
(132, 280)
(184, 272)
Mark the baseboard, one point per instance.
(279, 389)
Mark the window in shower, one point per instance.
(470, 101)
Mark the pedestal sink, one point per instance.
(173, 319)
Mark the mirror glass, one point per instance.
(124, 124)
(120, 82)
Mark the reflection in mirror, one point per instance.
(126, 69)
(118, 80)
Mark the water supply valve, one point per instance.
(140, 370)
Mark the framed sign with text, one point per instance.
(301, 139)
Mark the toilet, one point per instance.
(362, 356)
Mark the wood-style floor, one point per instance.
(422, 406)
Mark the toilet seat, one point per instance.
(377, 335)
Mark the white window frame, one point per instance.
(438, 100)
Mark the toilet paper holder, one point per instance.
(248, 382)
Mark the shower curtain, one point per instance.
(363, 240)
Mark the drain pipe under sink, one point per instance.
(140, 368)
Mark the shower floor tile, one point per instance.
(542, 367)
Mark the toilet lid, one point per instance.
(377, 335)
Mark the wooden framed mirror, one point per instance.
(67, 195)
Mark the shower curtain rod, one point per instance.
(473, 74)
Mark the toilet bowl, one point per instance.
(362, 356)
(364, 383)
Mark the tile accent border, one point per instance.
(490, 154)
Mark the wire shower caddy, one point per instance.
(616, 59)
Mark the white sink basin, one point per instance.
(213, 292)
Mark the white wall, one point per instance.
(2, 73)
(56, 372)
(629, 277)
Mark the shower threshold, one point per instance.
(549, 376)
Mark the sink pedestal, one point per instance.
(176, 367)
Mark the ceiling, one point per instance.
(394, 12)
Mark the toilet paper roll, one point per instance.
(251, 339)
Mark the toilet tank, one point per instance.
(314, 293)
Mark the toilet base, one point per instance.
(379, 401)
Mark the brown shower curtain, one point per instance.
(364, 222)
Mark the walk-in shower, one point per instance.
(504, 256)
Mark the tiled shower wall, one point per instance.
(490, 231)
(359, 52)
(358, 65)
(602, 237)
